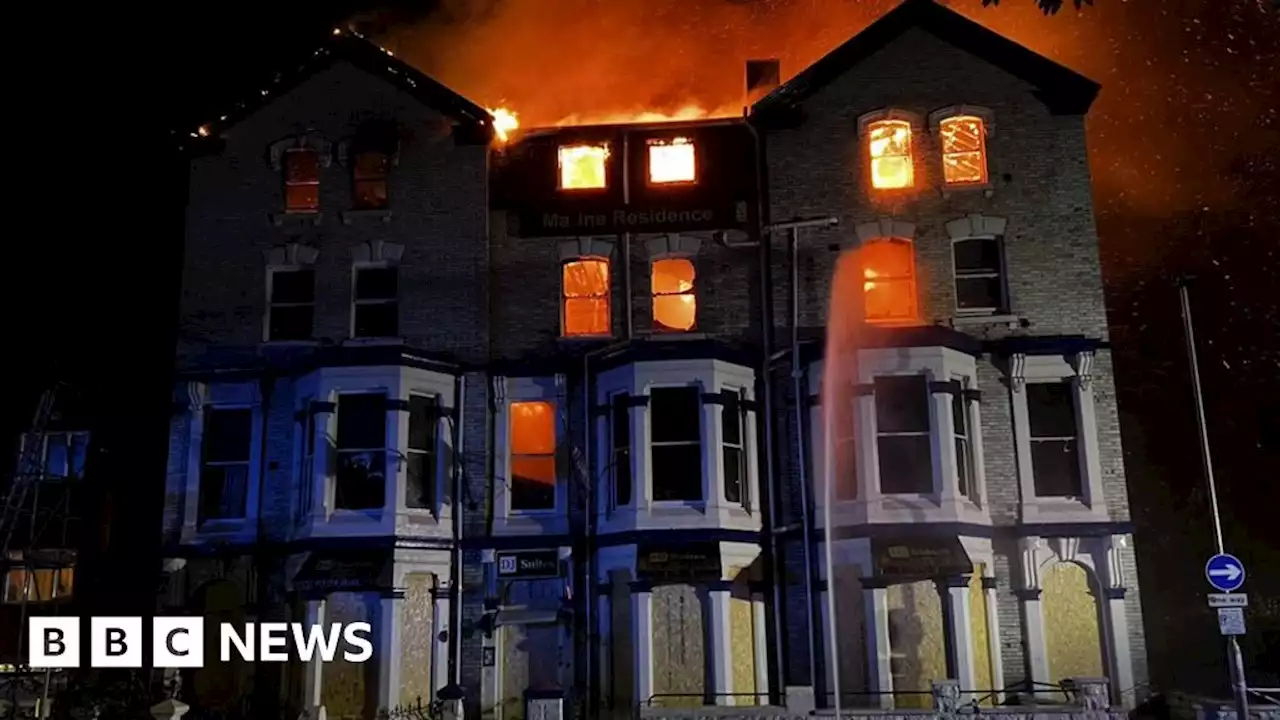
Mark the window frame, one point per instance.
(701, 443)
(655, 294)
(509, 520)
(741, 447)
(305, 447)
(271, 304)
(985, 181)
(434, 452)
(384, 179)
(605, 166)
(339, 451)
(1000, 274)
(673, 141)
(286, 183)
(356, 302)
(987, 116)
(912, 280)
(76, 454)
(248, 464)
(865, 124)
(929, 433)
(967, 488)
(607, 296)
(1072, 441)
(619, 403)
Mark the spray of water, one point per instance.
(839, 474)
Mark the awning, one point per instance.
(918, 558)
(344, 571)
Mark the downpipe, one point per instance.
(266, 387)
(459, 491)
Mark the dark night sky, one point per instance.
(1184, 144)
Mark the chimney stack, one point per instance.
(762, 77)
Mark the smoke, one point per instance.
(1159, 128)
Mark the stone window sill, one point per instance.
(1011, 321)
(352, 216)
(987, 189)
(283, 219)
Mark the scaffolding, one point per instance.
(38, 555)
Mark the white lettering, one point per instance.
(228, 637)
(352, 634)
(274, 635)
(316, 638)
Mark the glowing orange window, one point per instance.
(889, 281)
(889, 146)
(675, 305)
(533, 456)
(585, 302)
(964, 151)
(582, 167)
(301, 181)
(672, 161)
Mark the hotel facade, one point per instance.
(557, 414)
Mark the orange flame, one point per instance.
(504, 122)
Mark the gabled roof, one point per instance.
(351, 47)
(1063, 90)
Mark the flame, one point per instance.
(672, 161)
(639, 116)
(504, 122)
(582, 167)
(870, 283)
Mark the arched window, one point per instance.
(585, 297)
(889, 151)
(889, 280)
(675, 304)
(964, 150)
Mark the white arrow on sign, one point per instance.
(1230, 572)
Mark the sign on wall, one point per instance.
(691, 562)
(920, 557)
(528, 564)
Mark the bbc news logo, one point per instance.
(179, 642)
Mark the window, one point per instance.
(1055, 455)
(964, 152)
(533, 456)
(65, 454)
(585, 289)
(675, 431)
(361, 452)
(964, 443)
(620, 433)
(376, 312)
(291, 307)
(979, 275)
(902, 434)
(224, 466)
(733, 434)
(306, 472)
(421, 451)
(582, 167)
(889, 146)
(672, 161)
(370, 180)
(301, 181)
(37, 584)
(675, 305)
(889, 280)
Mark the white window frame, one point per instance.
(613, 451)
(713, 511)
(438, 467)
(272, 270)
(706, 489)
(585, 248)
(944, 503)
(223, 396)
(1001, 275)
(399, 383)
(935, 120)
(356, 303)
(1092, 506)
(745, 491)
(508, 520)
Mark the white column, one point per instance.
(712, 475)
(395, 472)
(389, 653)
(720, 606)
(828, 652)
(642, 640)
(879, 671)
(945, 483)
(1033, 634)
(994, 646)
(759, 618)
(867, 458)
(955, 602)
(312, 680)
(441, 608)
(1120, 662)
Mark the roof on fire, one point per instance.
(351, 47)
(1063, 90)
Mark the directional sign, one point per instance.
(1231, 621)
(1221, 600)
(1225, 572)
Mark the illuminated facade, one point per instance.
(511, 401)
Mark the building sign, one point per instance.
(692, 562)
(529, 564)
(920, 558)
(344, 572)
(564, 222)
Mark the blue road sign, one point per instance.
(1224, 572)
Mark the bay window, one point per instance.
(533, 456)
(361, 452)
(675, 453)
(224, 463)
(733, 440)
(902, 434)
(620, 449)
(421, 455)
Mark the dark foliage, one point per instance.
(1050, 7)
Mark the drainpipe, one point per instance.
(459, 479)
(266, 386)
(802, 465)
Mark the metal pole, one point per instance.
(1235, 661)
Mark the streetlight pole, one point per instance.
(1235, 661)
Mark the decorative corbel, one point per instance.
(1115, 571)
(499, 389)
(1066, 548)
(1084, 368)
(1030, 550)
(195, 396)
(378, 251)
(292, 255)
(1017, 371)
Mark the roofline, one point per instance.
(1064, 90)
(549, 130)
(355, 48)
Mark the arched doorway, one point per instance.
(1073, 640)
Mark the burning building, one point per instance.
(556, 409)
